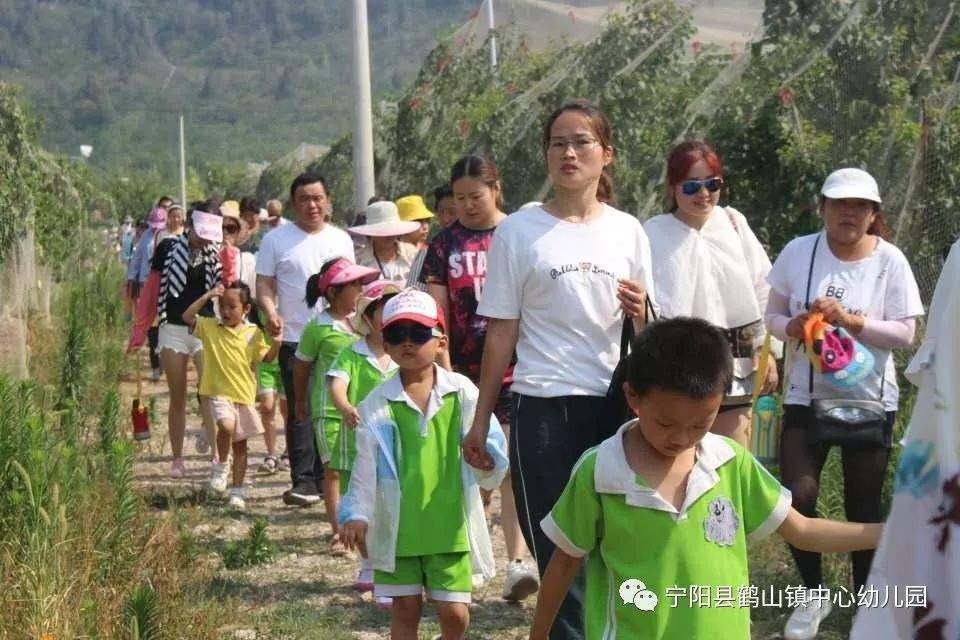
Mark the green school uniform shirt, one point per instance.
(432, 517)
(639, 543)
(358, 366)
(321, 341)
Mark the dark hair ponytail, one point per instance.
(602, 129)
(313, 283)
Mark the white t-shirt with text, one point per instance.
(559, 279)
(291, 255)
(881, 286)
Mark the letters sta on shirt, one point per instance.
(470, 264)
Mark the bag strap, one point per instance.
(628, 333)
(806, 305)
(806, 299)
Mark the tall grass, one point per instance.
(80, 553)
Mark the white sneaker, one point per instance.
(218, 477)
(201, 444)
(521, 582)
(155, 375)
(236, 500)
(805, 620)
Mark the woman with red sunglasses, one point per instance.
(708, 264)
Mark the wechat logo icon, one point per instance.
(635, 592)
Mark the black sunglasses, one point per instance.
(691, 187)
(401, 332)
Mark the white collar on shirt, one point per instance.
(444, 383)
(614, 475)
(361, 347)
(344, 326)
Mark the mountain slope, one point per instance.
(255, 77)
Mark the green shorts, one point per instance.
(344, 449)
(446, 577)
(268, 379)
(326, 432)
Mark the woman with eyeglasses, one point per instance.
(562, 277)
(708, 264)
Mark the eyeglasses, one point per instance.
(692, 187)
(417, 333)
(559, 145)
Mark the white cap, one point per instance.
(851, 183)
(411, 304)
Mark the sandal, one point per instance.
(269, 466)
(337, 548)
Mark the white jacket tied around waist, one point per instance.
(374, 492)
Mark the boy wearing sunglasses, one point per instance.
(413, 503)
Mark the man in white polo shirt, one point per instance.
(288, 256)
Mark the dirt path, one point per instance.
(306, 592)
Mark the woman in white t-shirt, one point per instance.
(561, 278)
(863, 284)
(708, 264)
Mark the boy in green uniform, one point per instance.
(413, 502)
(664, 506)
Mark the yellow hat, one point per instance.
(230, 209)
(413, 208)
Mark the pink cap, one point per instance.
(157, 218)
(343, 271)
(416, 306)
(208, 226)
(371, 293)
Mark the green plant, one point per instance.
(255, 549)
(141, 609)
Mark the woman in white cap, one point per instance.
(708, 264)
(386, 252)
(864, 285)
(182, 270)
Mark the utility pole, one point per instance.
(492, 35)
(363, 178)
(183, 167)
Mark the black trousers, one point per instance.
(864, 469)
(547, 437)
(306, 468)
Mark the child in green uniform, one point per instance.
(413, 502)
(665, 507)
(354, 373)
(339, 283)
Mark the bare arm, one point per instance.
(497, 352)
(829, 536)
(301, 378)
(338, 395)
(556, 582)
(190, 315)
(271, 355)
(267, 301)
(439, 293)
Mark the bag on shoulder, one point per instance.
(616, 410)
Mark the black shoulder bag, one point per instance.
(846, 422)
(616, 410)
